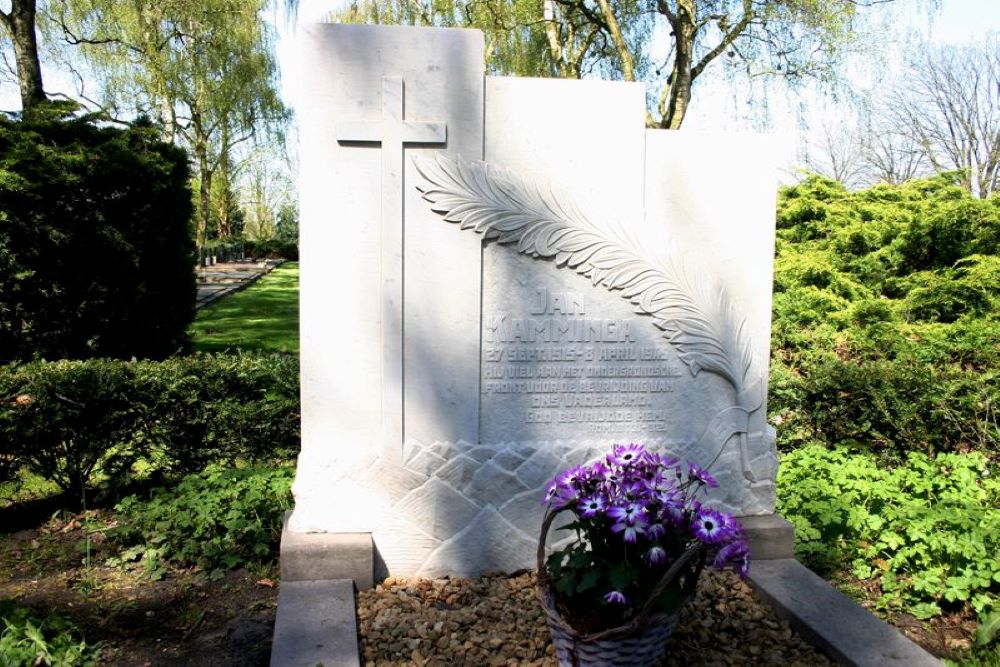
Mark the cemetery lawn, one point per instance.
(264, 317)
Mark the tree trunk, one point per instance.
(204, 191)
(680, 79)
(628, 72)
(20, 22)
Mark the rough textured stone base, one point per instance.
(830, 620)
(315, 625)
(770, 536)
(327, 556)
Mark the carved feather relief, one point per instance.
(697, 317)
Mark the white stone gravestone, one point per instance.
(502, 277)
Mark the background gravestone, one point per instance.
(501, 278)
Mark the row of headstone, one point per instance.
(211, 255)
(500, 278)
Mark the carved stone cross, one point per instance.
(393, 132)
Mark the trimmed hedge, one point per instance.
(80, 422)
(271, 249)
(95, 242)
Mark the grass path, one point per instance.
(264, 317)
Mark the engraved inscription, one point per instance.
(573, 367)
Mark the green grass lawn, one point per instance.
(264, 317)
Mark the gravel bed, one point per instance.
(497, 620)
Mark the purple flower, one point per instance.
(674, 511)
(598, 471)
(629, 533)
(625, 455)
(656, 530)
(616, 597)
(710, 526)
(630, 513)
(558, 495)
(735, 554)
(700, 474)
(591, 506)
(572, 477)
(656, 555)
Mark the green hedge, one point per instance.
(271, 249)
(95, 242)
(80, 422)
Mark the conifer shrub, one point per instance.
(886, 319)
(96, 253)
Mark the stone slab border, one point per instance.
(831, 621)
(316, 625)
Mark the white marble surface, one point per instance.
(358, 339)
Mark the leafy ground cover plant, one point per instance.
(28, 640)
(217, 520)
(926, 532)
(636, 516)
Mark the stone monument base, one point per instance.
(331, 556)
(327, 556)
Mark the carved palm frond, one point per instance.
(698, 319)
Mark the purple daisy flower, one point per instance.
(673, 510)
(558, 495)
(625, 455)
(702, 475)
(629, 533)
(616, 597)
(656, 530)
(630, 513)
(736, 554)
(656, 555)
(709, 526)
(598, 471)
(592, 506)
(572, 477)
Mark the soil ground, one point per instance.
(184, 618)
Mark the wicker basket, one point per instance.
(639, 643)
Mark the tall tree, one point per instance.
(204, 68)
(667, 43)
(19, 23)
(949, 103)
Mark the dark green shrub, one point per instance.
(217, 519)
(272, 249)
(95, 243)
(64, 419)
(76, 422)
(945, 296)
(219, 408)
